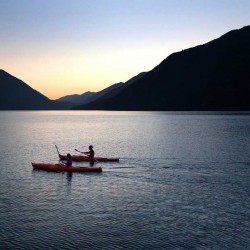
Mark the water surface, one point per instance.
(182, 181)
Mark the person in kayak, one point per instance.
(90, 153)
(69, 160)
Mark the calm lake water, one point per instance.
(183, 181)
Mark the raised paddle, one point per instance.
(57, 150)
(79, 151)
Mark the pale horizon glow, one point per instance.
(62, 47)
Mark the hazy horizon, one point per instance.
(61, 48)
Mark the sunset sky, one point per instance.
(62, 47)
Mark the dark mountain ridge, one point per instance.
(17, 95)
(213, 76)
(111, 91)
(81, 99)
(106, 93)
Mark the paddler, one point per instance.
(69, 160)
(90, 153)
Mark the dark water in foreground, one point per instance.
(183, 181)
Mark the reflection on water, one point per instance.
(69, 182)
(182, 181)
(69, 178)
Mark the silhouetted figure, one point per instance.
(69, 160)
(90, 153)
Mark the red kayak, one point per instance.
(85, 158)
(61, 168)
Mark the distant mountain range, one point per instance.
(106, 93)
(213, 76)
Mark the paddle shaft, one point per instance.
(79, 151)
(57, 150)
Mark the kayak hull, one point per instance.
(63, 168)
(78, 158)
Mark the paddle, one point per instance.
(58, 153)
(79, 151)
(57, 150)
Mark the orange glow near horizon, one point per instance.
(54, 75)
(70, 47)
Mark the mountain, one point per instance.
(115, 91)
(213, 76)
(88, 96)
(17, 95)
(106, 93)
(83, 98)
(110, 92)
